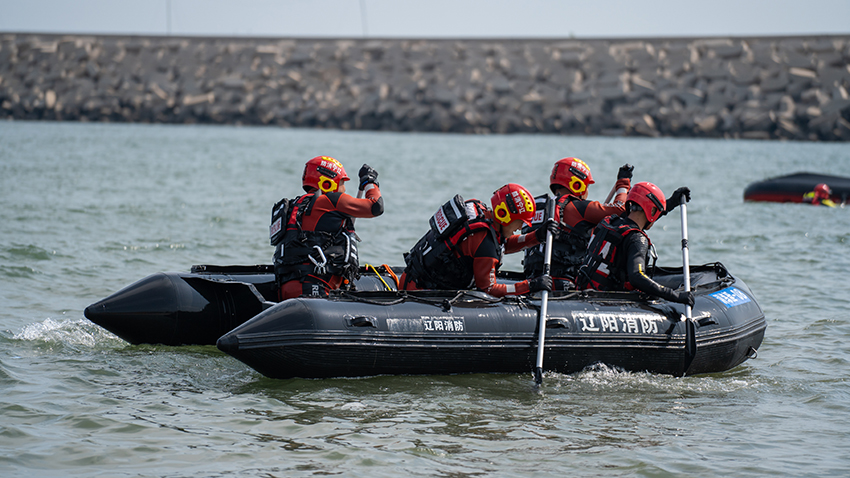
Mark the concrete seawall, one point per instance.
(765, 88)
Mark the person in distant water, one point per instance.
(821, 195)
(313, 234)
(575, 216)
(618, 250)
(464, 247)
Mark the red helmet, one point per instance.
(822, 191)
(511, 202)
(323, 173)
(650, 198)
(571, 173)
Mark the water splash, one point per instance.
(76, 334)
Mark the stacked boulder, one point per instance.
(761, 88)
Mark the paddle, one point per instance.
(628, 168)
(690, 327)
(359, 195)
(544, 298)
(610, 195)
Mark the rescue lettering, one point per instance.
(441, 221)
(275, 227)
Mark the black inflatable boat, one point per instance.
(377, 330)
(792, 187)
(198, 307)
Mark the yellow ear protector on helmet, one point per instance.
(502, 214)
(327, 185)
(577, 184)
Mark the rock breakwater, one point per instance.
(766, 88)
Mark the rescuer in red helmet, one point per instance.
(313, 234)
(463, 247)
(575, 217)
(821, 195)
(618, 250)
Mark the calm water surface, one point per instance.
(88, 208)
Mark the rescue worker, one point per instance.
(618, 250)
(464, 247)
(575, 216)
(313, 234)
(820, 195)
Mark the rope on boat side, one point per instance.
(404, 296)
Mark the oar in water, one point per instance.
(544, 299)
(690, 327)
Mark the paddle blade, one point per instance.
(690, 344)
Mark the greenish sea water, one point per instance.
(87, 209)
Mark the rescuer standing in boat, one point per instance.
(313, 234)
(619, 247)
(464, 246)
(575, 216)
(820, 195)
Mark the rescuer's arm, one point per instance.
(536, 237)
(484, 264)
(370, 206)
(636, 249)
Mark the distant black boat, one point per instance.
(792, 187)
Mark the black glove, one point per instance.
(625, 171)
(685, 298)
(540, 283)
(540, 232)
(368, 175)
(676, 199)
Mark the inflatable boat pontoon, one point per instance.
(377, 330)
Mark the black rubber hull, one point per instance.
(193, 308)
(792, 187)
(347, 337)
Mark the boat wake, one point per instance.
(72, 333)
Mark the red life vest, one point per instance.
(604, 268)
(435, 261)
(569, 244)
(299, 253)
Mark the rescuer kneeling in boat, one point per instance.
(619, 247)
(575, 216)
(313, 234)
(464, 246)
(820, 195)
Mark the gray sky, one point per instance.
(429, 18)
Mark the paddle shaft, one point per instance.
(611, 194)
(544, 298)
(690, 325)
(359, 195)
(686, 264)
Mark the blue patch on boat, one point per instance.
(731, 296)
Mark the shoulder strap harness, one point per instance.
(569, 245)
(299, 253)
(604, 266)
